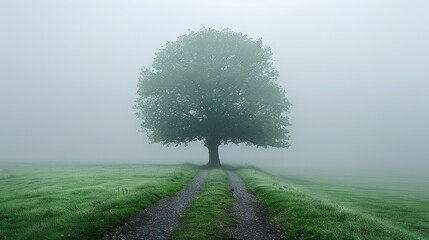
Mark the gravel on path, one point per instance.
(253, 220)
(158, 221)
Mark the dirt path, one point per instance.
(253, 221)
(157, 221)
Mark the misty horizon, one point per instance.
(355, 73)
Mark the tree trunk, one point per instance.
(213, 156)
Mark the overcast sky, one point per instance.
(356, 72)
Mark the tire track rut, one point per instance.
(158, 221)
(253, 220)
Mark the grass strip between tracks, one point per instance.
(210, 215)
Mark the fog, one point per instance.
(356, 73)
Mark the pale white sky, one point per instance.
(356, 73)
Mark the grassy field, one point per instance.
(80, 202)
(210, 215)
(85, 202)
(308, 210)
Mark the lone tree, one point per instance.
(215, 86)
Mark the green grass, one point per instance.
(210, 215)
(307, 210)
(85, 202)
(404, 209)
(80, 202)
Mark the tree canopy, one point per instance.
(216, 86)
